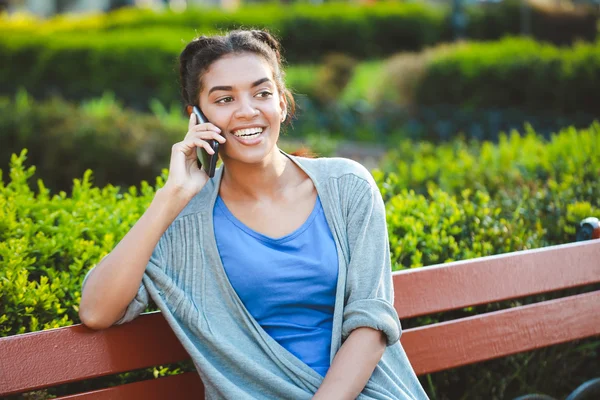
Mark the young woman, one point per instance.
(275, 274)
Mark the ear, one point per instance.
(283, 106)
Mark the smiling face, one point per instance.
(240, 96)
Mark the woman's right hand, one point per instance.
(185, 178)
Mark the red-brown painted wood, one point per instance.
(482, 337)
(488, 279)
(182, 386)
(48, 358)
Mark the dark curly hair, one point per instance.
(201, 52)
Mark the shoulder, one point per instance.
(334, 168)
(342, 175)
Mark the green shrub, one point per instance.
(515, 161)
(550, 184)
(136, 66)
(48, 243)
(121, 147)
(510, 74)
(441, 228)
(133, 53)
(561, 25)
(309, 30)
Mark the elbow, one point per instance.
(93, 320)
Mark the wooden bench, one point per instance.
(49, 358)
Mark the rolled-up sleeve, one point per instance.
(369, 295)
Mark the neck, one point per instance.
(256, 181)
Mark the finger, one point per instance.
(207, 135)
(206, 145)
(189, 145)
(192, 121)
(185, 146)
(206, 127)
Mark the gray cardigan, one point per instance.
(234, 356)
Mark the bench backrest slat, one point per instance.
(181, 386)
(495, 278)
(63, 355)
(482, 337)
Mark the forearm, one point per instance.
(353, 365)
(114, 282)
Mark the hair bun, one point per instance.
(269, 40)
(193, 47)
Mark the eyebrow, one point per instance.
(228, 88)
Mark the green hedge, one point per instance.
(360, 30)
(64, 140)
(137, 60)
(307, 31)
(134, 53)
(549, 186)
(49, 241)
(135, 66)
(512, 73)
(559, 25)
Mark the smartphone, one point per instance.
(206, 161)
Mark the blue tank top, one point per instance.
(287, 284)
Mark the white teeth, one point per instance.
(248, 132)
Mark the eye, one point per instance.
(223, 100)
(264, 94)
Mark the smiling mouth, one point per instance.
(247, 133)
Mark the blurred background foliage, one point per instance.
(478, 120)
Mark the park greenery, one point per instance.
(307, 32)
(491, 144)
(138, 66)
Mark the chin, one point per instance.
(251, 155)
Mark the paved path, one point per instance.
(367, 154)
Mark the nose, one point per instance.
(246, 109)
